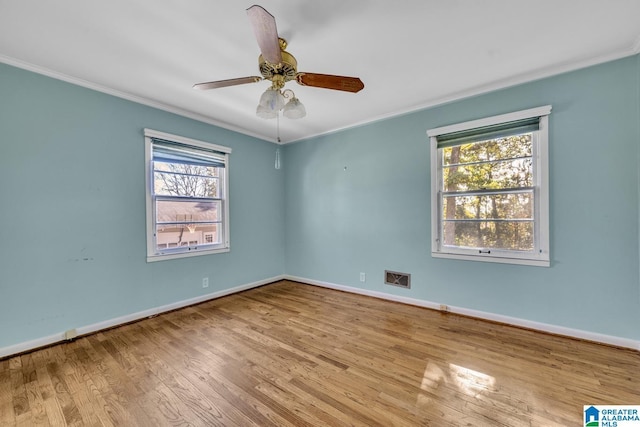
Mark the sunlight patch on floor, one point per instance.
(469, 381)
(458, 378)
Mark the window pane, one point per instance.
(510, 235)
(186, 211)
(498, 164)
(489, 206)
(173, 236)
(490, 195)
(494, 149)
(502, 174)
(171, 179)
(187, 184)
(178, 167)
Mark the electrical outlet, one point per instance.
(363, 277)
(205, 282)
(444, 307)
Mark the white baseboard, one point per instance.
(514, 321)
(88, 329)
(543, 327)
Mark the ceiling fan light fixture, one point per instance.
(266, 113)
(294, 109)
(279, 67)
(272, 100)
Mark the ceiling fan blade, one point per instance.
(328, 81)
(225, 83)
(264, 27)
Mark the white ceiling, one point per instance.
(410, 54)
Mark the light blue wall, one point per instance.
(72, 210)
(359, 201)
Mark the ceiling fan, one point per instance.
(279, 66)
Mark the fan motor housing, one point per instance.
(287, 69)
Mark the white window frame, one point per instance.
(152, 253)
(540, 255)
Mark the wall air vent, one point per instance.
(394, 278)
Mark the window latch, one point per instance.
(484, 252)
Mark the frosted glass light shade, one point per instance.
(266, 113)
(272, 99)
(294, 109)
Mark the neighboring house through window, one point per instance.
(187, 196)
(489, 196)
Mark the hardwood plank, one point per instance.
(288, 354)
(7, 411)
(249, 386)
(38, 414)
(120, 395)
(20, 399)
(46, 390)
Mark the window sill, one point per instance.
(165, 257)
(540, 262)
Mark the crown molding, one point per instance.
(636, 46)
(127, 96)
(632, 49)
(539, 74)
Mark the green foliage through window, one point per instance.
(490, 188)
(488, 199)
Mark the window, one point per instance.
(187, 196)
(489, 193)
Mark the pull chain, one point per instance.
(277, 165)
(278, 127)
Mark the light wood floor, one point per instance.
(292, 354)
